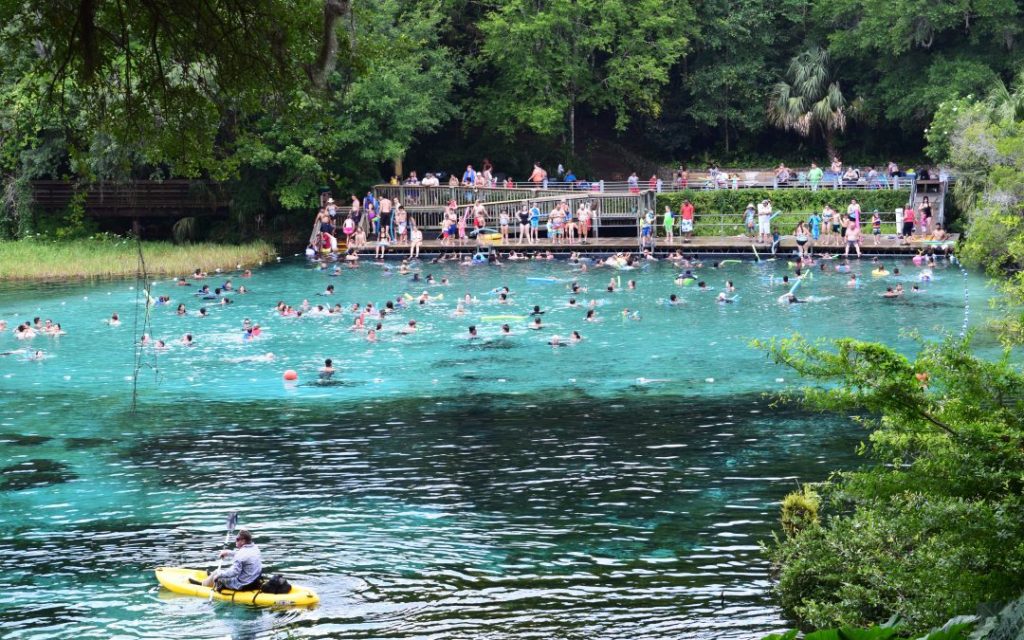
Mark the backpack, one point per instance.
(276, 584)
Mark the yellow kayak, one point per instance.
(181, 580)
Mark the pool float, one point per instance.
(685, 281)
(730, 262)
(544, 280)
(181, 580)
(881, 271)
(918, 260)
(501, 318)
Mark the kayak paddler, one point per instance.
(244, 573)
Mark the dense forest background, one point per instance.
(280, 98)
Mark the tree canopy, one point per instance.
(282, 96)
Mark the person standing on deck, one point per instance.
(384, 207)
(524, 224)
(686, 219)
(764, 221)
(814, 176)
(538, 177)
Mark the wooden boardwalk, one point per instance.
(731, 245)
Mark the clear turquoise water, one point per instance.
(443, 487)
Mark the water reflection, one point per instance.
(503, 516)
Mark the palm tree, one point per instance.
(811, 101)
(1006, 103)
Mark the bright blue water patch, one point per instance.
(502, 487)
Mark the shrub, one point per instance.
(720, 211)
(800, 510)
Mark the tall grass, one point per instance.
(117, 257)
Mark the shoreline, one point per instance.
(47, 261)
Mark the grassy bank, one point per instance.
(90, 258)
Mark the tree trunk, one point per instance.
(830, 144)
(327, 57)
(572, 129)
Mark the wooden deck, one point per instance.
(731, 245)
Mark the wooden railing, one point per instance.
(615, 213)
(136, 199)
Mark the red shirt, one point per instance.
(686, 211)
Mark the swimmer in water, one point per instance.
(591, 316)
(852, 282)
(722, 298)
(576, 337)
(472, 332)
(371, 335)
(186, 340)
(536, 311)
(729, 286)
(114, 320)
(327, 371)
(181, 310)
(409, 328)
(506, 330)
(536, 324)
(792, 299)
(889, 293)
(556, 341)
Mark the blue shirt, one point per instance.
(248, 566)
(815, 222)
(469, 176)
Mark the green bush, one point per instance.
(935, 525)
(720, 211)
(800, 510)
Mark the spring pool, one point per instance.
(439, 485)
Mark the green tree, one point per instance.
(547, 58)
(934, 526)
(982, 140)
(730, 70)
(905, 57)
(810, 101)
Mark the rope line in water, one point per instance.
(142, 285)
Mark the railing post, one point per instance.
(602, 185)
